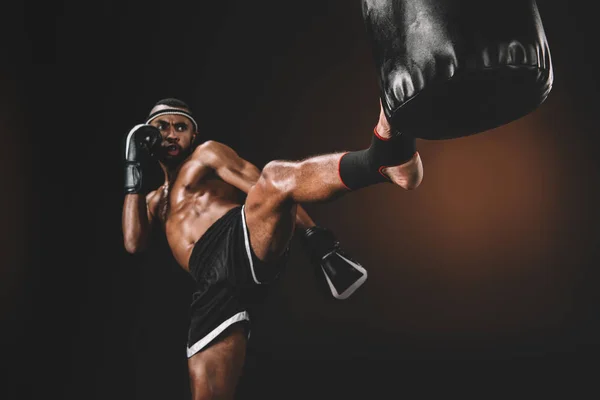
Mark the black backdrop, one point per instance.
(494, 258)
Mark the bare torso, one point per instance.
(190, 206)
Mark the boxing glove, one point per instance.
(342, 274)
(142, 141)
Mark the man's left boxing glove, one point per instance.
(343, 274)
(142, 142)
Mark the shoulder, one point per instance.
(211, 152)
(210, 146)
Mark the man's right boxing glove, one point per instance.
(342, 274)
(142, 141)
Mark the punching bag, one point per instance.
(453, 68)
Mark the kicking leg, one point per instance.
(271, 204)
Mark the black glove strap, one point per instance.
(320, 242)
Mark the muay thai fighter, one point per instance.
(235, 248)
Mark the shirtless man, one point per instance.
(232, 248)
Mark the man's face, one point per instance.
(177, 132)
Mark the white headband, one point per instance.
(173, 111)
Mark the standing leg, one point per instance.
(215, 371)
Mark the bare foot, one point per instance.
(383, 128)
(407, 175)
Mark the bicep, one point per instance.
(152, 205)
(236, 171)
(242, 175)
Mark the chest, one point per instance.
(181, 198)
(163, 205)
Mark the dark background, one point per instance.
(494, 258)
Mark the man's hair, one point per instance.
(172, 102)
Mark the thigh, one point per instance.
(271, 204)
(271, 219)
(215, 371)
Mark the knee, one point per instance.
(277, 180)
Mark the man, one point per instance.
(233, 248)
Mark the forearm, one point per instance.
(303, 220)
(136, 226)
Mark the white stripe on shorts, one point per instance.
(200, 344)
(248, 250)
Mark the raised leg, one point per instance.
(271, 204)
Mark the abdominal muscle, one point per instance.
(193, 213)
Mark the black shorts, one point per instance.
(230, 280)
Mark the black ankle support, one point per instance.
(362, 168)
